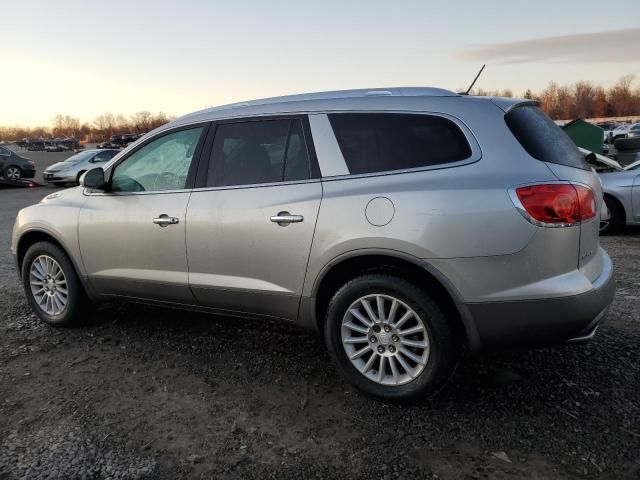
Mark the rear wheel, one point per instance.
(616, 220)
(52, 286)
(13, 173)
(390, 339)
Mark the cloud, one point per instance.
(621, 46)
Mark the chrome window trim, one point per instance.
(97, 193)
(258, 185)
(90, 192)
(523, 211)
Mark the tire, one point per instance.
(397, 384)
(627, 144)
(80, 173)
(13, 173)
(76, 304)
(617, 220)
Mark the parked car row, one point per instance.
(60, 144)
(120, 141)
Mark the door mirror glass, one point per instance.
(94, 178)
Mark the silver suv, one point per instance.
(402, 224)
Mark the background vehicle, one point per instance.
(361, 214)
(54, 148)
(622, 196)
(607, 128)
(620, 131)
(73, 167)
(13, 167)
(113, 142)
(634, 131)
(119, 141)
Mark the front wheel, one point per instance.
(390, 339)
(52, 286)
(13, 173)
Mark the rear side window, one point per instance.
(543, 139)
(255, 152)
(379, 142)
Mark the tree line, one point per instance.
(103, 127)
(561, 102)
(582, 99)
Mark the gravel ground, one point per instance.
(141, 392)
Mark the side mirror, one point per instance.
(94, 178)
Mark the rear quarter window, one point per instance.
(379, 142)
(543, 139)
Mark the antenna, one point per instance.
(474, 80)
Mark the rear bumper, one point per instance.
(543, 322)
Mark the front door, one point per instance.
(249, 231)
(132, 236)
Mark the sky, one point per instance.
(84, 57)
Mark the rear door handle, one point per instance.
(165, 220)
(285, 218)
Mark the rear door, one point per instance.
(251, 224)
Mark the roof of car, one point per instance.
(390, 99)
(310, 101)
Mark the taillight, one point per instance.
(556, 204)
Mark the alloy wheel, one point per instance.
(13, 174)
(48, 285)
(385, 339)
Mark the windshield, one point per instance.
(80, 157)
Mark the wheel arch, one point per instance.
(424, 275)
(30, 237)
(619, 203)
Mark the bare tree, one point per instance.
(621, 97)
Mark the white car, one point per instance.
(621, 131)
(634, 131)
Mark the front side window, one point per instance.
(255, 152)
(162, 164)
(379, 142)
(4, 151)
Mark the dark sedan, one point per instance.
(13, 167)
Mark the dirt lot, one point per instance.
(140, 392)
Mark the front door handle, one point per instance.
(285, 218)
(165, 220)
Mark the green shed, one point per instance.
(585, 135)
